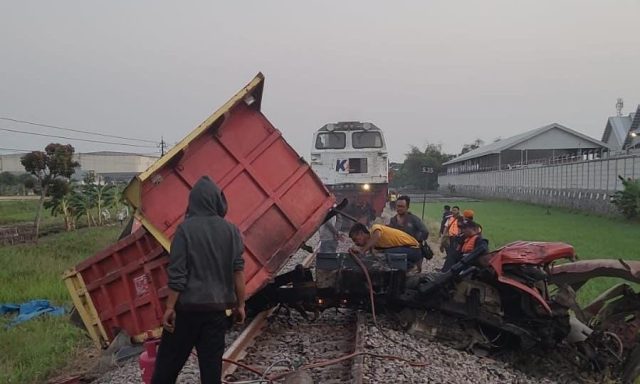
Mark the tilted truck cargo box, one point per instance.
(274, 197)
(124, 286)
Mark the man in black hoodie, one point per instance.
(205, 278)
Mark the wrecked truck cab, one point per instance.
(521, 264)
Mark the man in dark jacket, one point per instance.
(205, 278)
(410, 224)
(445, 217)
(407, 221)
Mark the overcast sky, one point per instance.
(443, 72)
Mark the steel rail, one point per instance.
(237, 349)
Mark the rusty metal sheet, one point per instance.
(532, 252)
(579, 272)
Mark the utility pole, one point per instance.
(162, 145)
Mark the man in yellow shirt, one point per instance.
(385, 239)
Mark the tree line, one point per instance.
(12, 185)
(420, 168)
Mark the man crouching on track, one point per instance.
(205, 278)
(385, 239)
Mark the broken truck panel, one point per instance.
(122, 287)
(533, 252)
(618, 312)
(522, 253)
(596, 304)
(579, 272)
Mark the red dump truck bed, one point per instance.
(274, 198)
(124, 286)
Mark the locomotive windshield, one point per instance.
(331, 140)
(366, 140)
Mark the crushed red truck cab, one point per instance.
(274, 198)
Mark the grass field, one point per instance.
(18, 211)
(592, 236)
(33, 350)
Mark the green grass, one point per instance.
(20, 211)
(593, 237)
(34, 350)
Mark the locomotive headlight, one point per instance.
(366, 187)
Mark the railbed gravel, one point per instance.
(443, 363)
(292, 341)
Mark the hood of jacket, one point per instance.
(206, 199)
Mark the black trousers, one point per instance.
(453, 256)
(202, 330)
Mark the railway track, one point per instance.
(290, 343)
(274, 344)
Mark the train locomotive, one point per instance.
(351, 159)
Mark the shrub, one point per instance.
(628, 200)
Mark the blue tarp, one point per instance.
(29, 310)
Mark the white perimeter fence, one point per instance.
(585, 185)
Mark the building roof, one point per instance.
(504, 144)
(617, 130)
(630, 141)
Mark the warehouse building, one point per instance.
(109, 166)
(623, 132)
(553, 143)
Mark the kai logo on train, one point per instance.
(342, 166)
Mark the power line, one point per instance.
(74, 130)
(72, 138)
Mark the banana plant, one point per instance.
(104, 196)
(60, 202)
(83, 203)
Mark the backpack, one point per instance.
(426, 250)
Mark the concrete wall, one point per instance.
(584, 185)
(11, 163)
